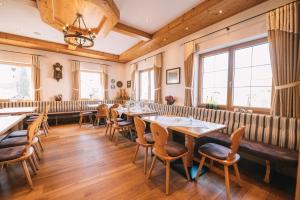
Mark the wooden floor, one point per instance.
(84, 164)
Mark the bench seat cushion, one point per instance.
(266, 151)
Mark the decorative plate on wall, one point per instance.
(119, 84)
(112, 80)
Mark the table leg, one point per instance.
(190, 145)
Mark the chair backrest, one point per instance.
(114, 116)
(33, 128)
(160, 136)
(116, 105)
(102, 110)
(235, 138)
(140, 127)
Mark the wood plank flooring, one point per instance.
(84, 164)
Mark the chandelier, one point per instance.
(78, 34)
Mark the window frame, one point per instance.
(230, 80)
(88, 71)
(149, 84)
(21, 65)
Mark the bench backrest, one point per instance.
(280, 131)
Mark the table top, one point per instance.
(8, 122)
(135, 112)
(189, 126)
(17, 110)
(96, 105)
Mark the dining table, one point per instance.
(7, 123)
(136, 111)
(17, 110)
(190, 127)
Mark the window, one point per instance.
(16, 82)
(238, 76)
(252, 82)
(90, 85)
(147, 85)
(214, 80)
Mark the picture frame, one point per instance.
(173, 76)
(128, 84)
(112, 87)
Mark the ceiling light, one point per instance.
(78, 36)
(1, 3)
(220, 11)
(165, 39)
(186, 28)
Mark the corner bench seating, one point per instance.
(271, 138)
(58, 110)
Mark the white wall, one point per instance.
(50, 87)
(174, 52)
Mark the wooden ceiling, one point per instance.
(192, 21)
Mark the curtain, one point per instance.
(189, 50)
(133, 68)
(283, 34)
(158, 63)
(75, 66)
(104, 80)
(36, 77)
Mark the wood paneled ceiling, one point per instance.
(192, 21)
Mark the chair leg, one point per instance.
(136, 151)
(107, 127)
(211, 164)
(200, 168)
(167, 177)
(268, 171)
(227, 182)
(44, 129)
(36, 164)
(46, 126)
(91, 119)
(33, 168)
(80, 121)
(117, 137)
(113, 133)
(237, 174)
(36, 152)
(184, 161)
(40, 143)
(27, 174)
(152, 166)
(145, 160)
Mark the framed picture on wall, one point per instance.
(128, 84)
(173, 76)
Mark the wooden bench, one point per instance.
(270, 153)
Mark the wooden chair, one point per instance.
(224, 156)
(109, 122)
(167, 151)
(102, 113)
(23, 153)
(144, 140)
(83, 114)
(119, 126)
(20, 137)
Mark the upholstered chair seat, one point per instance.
(19, 133)
(215, 150)
(12, 142)
(175, 149)
(149, 139)
(11, 153)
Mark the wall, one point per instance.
(50, 87)
(174, 52)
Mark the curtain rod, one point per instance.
(92, 63)
(148, 57)
(228, 27)
(21, 53)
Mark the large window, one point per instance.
(90, 85)
(215, 73)
(16, 82)
(252, 82)
(146, 85)
(238, 76)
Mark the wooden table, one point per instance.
(96, 105)
(135, 112)
(17, 110)
(9, 122)
(191, 128)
